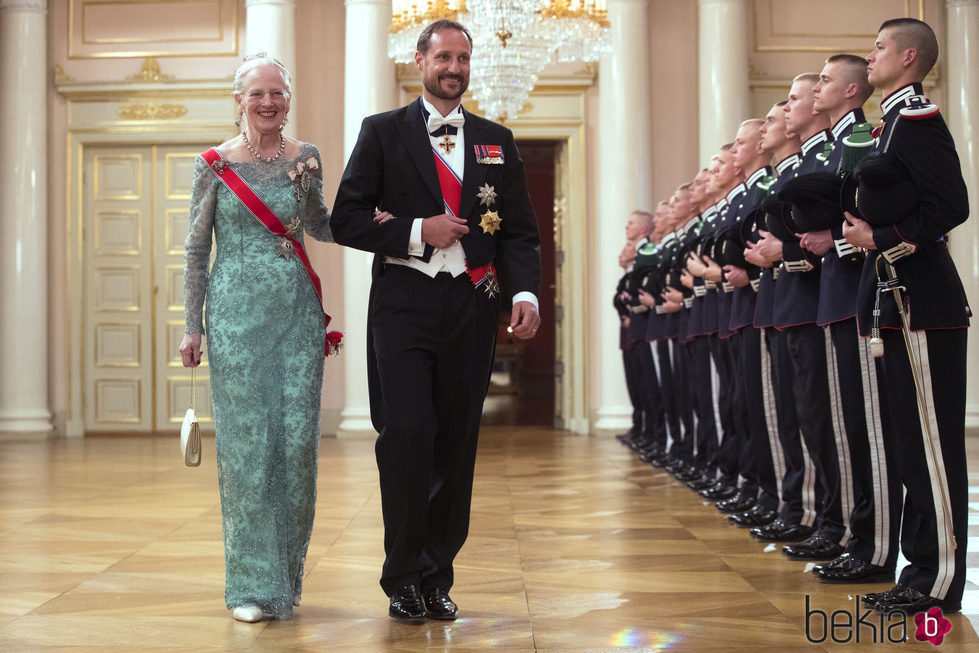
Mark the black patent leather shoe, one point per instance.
(779, 531)
(625, 437)
(406, 605)
(910, 601)
(648, 453)
(438, 605)
(740, 502)
(757, 515)
(815, 547)
(661, 460)
(684, 474)
(847, 569)
(702, 482)
(870, 598)
(719, 491)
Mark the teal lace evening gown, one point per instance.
(265, 345)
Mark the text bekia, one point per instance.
(843, 626)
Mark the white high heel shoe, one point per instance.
(248, 613)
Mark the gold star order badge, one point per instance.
(490, 222)
(486, 195)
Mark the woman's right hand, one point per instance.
(190, 349)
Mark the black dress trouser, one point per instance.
(431, 354)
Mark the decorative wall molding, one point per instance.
(60, 77)
(99, 29)
(24, 5)
(150, 72)
(152, 111)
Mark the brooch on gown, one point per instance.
(284, 247)
(300, 176)
(219, 165)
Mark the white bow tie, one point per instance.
(436, 121)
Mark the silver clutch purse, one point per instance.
(190, 430)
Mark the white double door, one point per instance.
(135, 206)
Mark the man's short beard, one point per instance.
(436, 90)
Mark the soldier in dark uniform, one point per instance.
(727, 182)
(796, 301)
(677, 299)
(655, 255)
(688, 465)
(796, 514)
(758, 494)
(910, 194)
(703, 329)
(869, 481)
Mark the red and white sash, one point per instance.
(451, 187)
(240, 189)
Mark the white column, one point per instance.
(270, 25)
(722, 52)
(625, 184)
(962, 112)
(24, 410)
(369, 88)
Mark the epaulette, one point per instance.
(918, 107)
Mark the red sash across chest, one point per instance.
(240, 189)
(449, 183)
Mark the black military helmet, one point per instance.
(880, 191)
(647, 256)
(815, 200)
(778, 219)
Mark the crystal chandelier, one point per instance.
(513, 41)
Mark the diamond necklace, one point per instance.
(265, 159)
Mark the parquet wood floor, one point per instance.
(110, 543)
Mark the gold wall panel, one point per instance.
(117, 233)
(118, 177)
(826, 26)
(174, 285)
(117, 289)
(178, 399)
(117, 345)
(180, 175)
(117, 401)
(178, 222)
(147, 28)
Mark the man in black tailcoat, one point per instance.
(462, 228)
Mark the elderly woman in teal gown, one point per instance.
(265, 338)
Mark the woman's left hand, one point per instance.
(190, 350)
